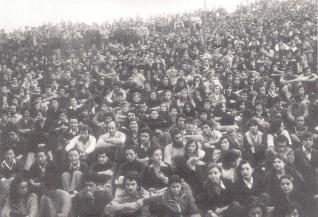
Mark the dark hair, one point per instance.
(286, 176)
(214, 165)
(252, 122)
(101, 151)
(83, 128)
(153, 149)
(51, 181)
(275, 125)
(306, 135)
(239, 168)
(174, 132)
(289, 207)
(281, 139)
(132, 175)
(174, 179)
(14, 186)
(254, 202)
(186, 148)
(92, 177)
(228, 158)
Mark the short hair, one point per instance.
(281, 139)
(144, 130)
(214, 165)
(174, 179)
(287, 176)
(132, 175)
(100, 151)
(306, 135)
(83, 128)
(174, 132)
(280, 157)
(41, 149)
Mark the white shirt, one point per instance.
(249, 184)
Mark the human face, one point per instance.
(255, 212)
(130, 155)
(281, 147)
(308, 143)
(225, 144)
(41, 158)
(300, 121)
(133, 126)
(214, 175)
(130, 186)
(73, 156)
(286, 185)
(246, 171)
(175, 188)
(154, 115)
(74, 124)
(111, 128)
(294, 213)
(102, 158)
(84, 134)
(192, 147)
(9, 155)
(178, 138)
(23, 188)
(181, 122)
(90, 186)
(253, 128)
(157, 155)
(144, 137)
(206, 129)
(163, 107)
(217, 89)
(278, 164)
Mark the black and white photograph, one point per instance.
(158, 108)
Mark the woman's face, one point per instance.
(217, 89)
(163, 107)
(23, 188)
(175, 188)
(168, 96)
(157, 155)
(255, 212)
(154, 115)
(214, 175)
(286, 185)
(278, 164)
(73, 156)
(246, 171)
(225, 144)
(192, 147)
(204, 116)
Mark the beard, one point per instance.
(177, 144)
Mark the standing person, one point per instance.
(21, 202)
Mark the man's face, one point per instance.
(90, 186)
(281, 147)
(145, 138)
(102, 158)
(300, 121)
(131, 186)
(9, 155)
(130, 155)
(308, 143)
(175, 188)
(41, 158)
(74, 124)
(181, 122)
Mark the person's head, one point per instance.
(40, 115)
(73, 155)
(41, 156)
(131, 182)
(291, 210)
(206, 127)
(281, 143)
(191, 148)
(181, 122)
(253, 126)
(154, 115)
(19, 189)
(9, 155)
(175, 185)
(13, 135)
(279, 163)
(255, 208)
(155, 154)
(111, 128)
(176, 136)
(214, 173)
(130, 154)
(145, 135)
(84, 132)
(133, 125)
(307, 140)
(224, 143)
(90, 182)
(73, 123)
(245, 169)
(102, 156)
(277, 126)
(287, 184)
(300, 121)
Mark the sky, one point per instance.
(19, 13)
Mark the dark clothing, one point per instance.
(150, 179)
(7, 172)
(96, 167)
(130, 166)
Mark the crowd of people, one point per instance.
(201, 114)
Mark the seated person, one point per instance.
(125, 202)
(92, 199)
(217, 197)
(103, 168)
(21, 202)
(9, 168)
(176, 201)
(41, 167)
(84, 143)
(131, 163)
(155, 176)
(280, 148)
(73, 171)
(55, 202)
